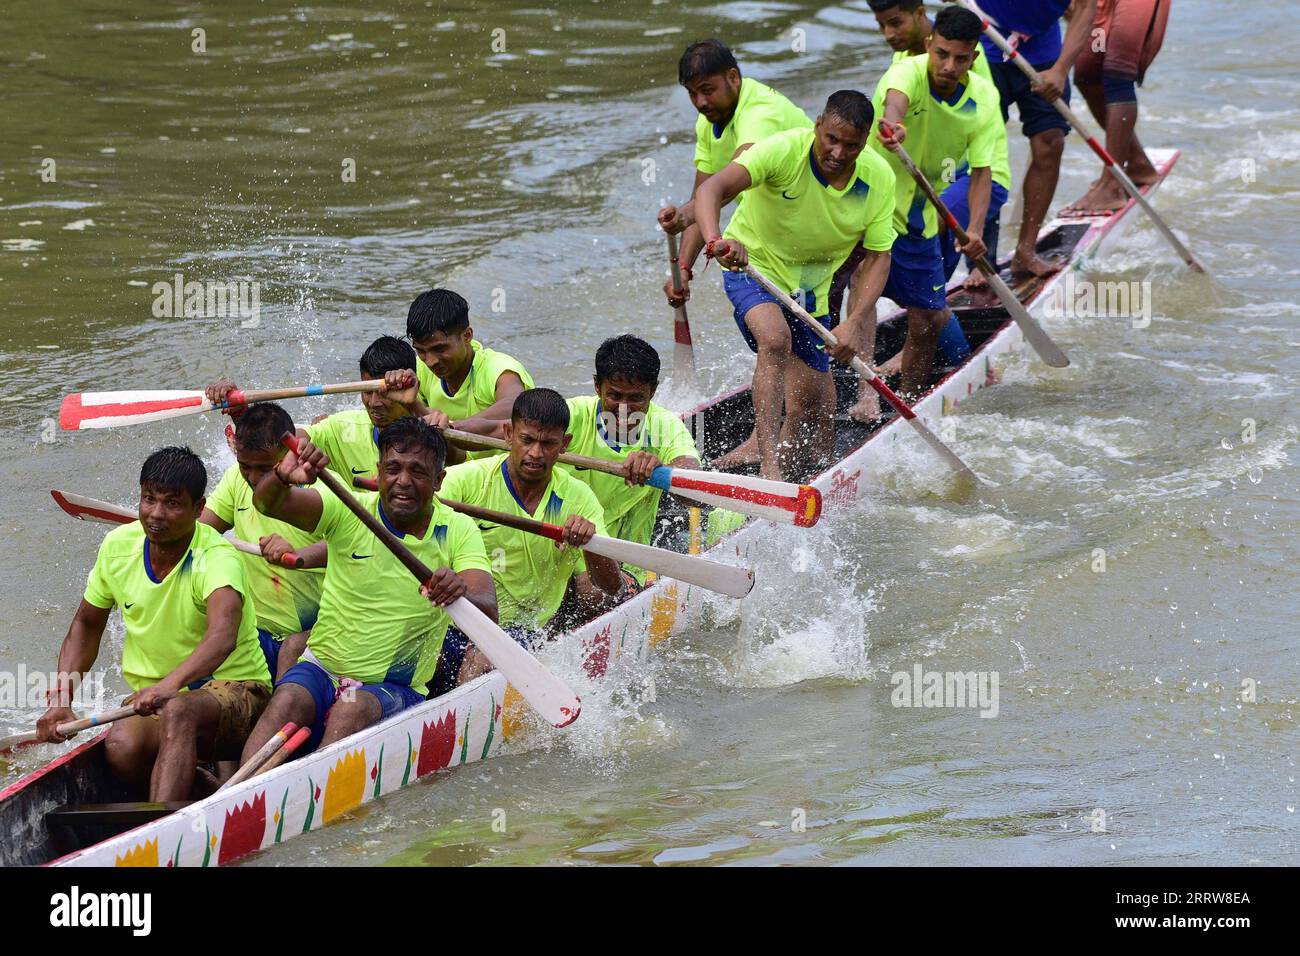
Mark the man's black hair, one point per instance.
(880, 6)
(705, 58)
(175, 468)
(541, 406)
(626, 356)
(261, 425)
(412, 434)
(958, 23)
(852, 107)
(438, 310)
(387, 354)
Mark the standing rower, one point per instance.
(1034, 28)
(379, 632)
(907, 29)
(1108, 78)
(472, 385)
(531, 573)
(943, 113)
(735, 113)
(191, 655)
(287, 599)
(811, 197)
(621, 423)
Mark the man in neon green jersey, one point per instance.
(377, 638)
(621, 423)
(471, 385)
(287, 599)
(191, 655)
(735, 112)
(945, 114)
(811, 197)
(531, 573)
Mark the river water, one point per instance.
(1146, 712)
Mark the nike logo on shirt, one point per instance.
(359, 471)
(360, 556)
(787, 197)
(127, 607)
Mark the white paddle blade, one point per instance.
(1034, 333)
(723, 578)
(947, 454)
(545, 693)
(92, 509)
(779, 501)
(115, 409)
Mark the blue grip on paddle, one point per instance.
(661, 478)
(315, 389)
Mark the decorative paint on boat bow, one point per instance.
(143, 854)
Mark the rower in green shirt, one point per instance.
(944, 114)
(735, 112)
(191, 657)
(287, 599)
(471, 385)
(532, 573)
(813, 197)
(379, 632)
(620, 423)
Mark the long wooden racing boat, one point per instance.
(71, 811)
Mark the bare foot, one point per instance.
(1103, 200)
(975, 281)
(891, 367)
(1140, 170)
(867, 410)
(1028, 266)
(746, 453)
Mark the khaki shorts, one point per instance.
(242, 702)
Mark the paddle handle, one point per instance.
(68, 728)
(263, 754)
(239, 397)
(284, 753)
(1062, 107)
(683, 348)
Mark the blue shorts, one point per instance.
(453, 655)
(270, 649)
(957, 198)
(1036, 114)
(916, 279)
(314, 679)
(745, 293)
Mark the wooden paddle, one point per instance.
(871, 376)
(1034, 333)
(723, 578)
(263, 754)
(66, 729)
(92, 509)
(778, 501)
(115, 409)
(545, 692)
(683, 350)
(284, 753)
(1070, 117)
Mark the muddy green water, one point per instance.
(528, 177)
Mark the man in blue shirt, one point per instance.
(1034, 30)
